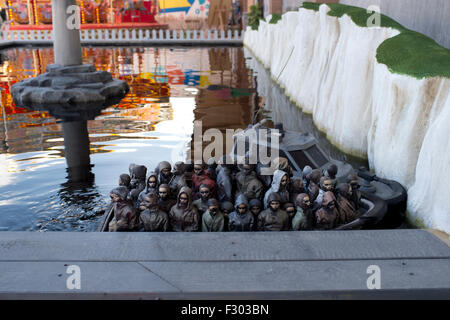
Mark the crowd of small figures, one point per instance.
(200, 197)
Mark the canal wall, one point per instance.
(328, 66)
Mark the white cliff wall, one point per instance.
(328, 67)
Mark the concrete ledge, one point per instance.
(288, 265)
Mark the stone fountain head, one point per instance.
(70, 93)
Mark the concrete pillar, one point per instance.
(66, 42)
(77, 150)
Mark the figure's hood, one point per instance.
(152, 174)
(164, 165)
(241, 199)
(273, 197)
(255, 203)
(125, 178)
(297, 184)
(327, 198)
(306, 170)
(342, 189)
(181, 167)
(122, 192)
(137, 171)
(277, 176)
(299, 200)
(227, 205)
(187, 191)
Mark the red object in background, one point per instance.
(140, 15)
(175, 75)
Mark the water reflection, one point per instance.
(40, 190)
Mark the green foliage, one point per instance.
(409, 53)
(254, 16)
(414, 54)
(275, 18)
(311, 5)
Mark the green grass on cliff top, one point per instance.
(409, 53)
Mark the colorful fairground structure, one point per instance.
(94, 14)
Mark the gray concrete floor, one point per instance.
(286, 265)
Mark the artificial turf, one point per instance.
(410, 53)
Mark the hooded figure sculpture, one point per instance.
(125, 217)
(279, 185)
(224, 182)
(164, 172)
(137, 183)
(331, 172)
(352, 179)
(178, 179)
(184, 216)
(153, 219)
(347, 212)
(200, 177)
(241, 219)
(202, 203)
(273, 218)
(124, 181)
(326, 184)
(327, 217)
(165, 202)
(247, 183)
(213, 219)
(151, 187)
(304, 217)
(296, 187)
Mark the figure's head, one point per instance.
(274, 201)
(314, 176)
(284, 181)
(326, 184)
(352, 179)
(255, 206)
(289, 208)
(114, 197)
(152, 181)
(165, 169)
(213, 206)
(184, 200)
(247, 168)
(205, 192)
(303, 201)
(332, 171)
(124, 180)
(151, 201)
(345, 190)
(297, 184)
(226, 207)
(119, 194)
(306, 170)
(198, 169)
(163, 191)
(178, 168)
(242, 208)
(329, 200)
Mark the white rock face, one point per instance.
(328, 67)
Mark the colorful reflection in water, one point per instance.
(170, 88)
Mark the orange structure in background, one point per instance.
(94, 14)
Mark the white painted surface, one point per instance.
(328, 67)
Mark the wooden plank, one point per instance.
(252, 246)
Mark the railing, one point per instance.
(129, 35)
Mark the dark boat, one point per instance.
(384, 201)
